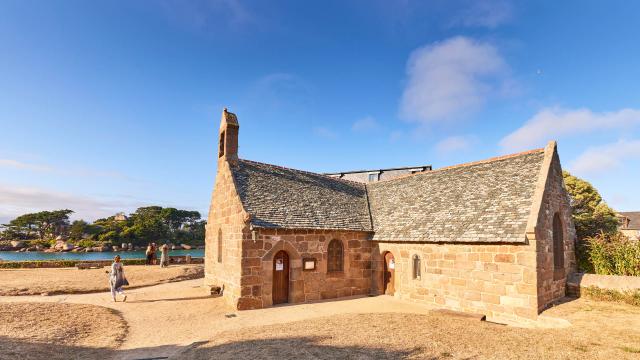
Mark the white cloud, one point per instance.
(324, 132)
(17, 200)
(367, 123)
(450, 78)
(606, 157)
(484, 13)
(455, 143)
(552, 123)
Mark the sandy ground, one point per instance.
(73, 281)
(180, 320)
(58, 331)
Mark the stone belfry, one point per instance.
(228, 138)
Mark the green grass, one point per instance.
(631, 297)
(630, 349)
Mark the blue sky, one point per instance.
(107, 106)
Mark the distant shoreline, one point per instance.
(10, 256)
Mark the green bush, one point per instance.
(614, 254)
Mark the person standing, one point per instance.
(117, 279)
(149, 254)
(154, 253)
(164, 257)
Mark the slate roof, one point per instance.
(634, 219)
(487, 201)
(278, 197)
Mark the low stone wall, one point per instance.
(608, 282)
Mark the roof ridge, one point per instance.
(472, 163)
(304, 172)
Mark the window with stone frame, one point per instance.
(335, 254)
(219, 245)
(417, 264)
(558, 243)
(373, 177)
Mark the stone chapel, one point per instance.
(493, 237)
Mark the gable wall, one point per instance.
(552, 283)
(257, 265)
(498, 281)
(227, 214)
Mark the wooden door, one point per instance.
(280, 291)
(389, 274)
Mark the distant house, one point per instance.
(494, 237)
(369, 176)
(630, 224)
(120, 217)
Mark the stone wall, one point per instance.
(227, 218)
(498, 281)
(259, 249)
(551, 281)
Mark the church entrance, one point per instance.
(280, 293)
(389, 274)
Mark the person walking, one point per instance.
(164, 257)
(149, 254)
(117, 279)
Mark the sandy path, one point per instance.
(166, 318)
(74, 281)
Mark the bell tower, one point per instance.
(228, 137)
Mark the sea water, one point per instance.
(39, 255)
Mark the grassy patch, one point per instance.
(631, 297)
(630, 349)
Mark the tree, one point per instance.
(591, 214)
(43, 223)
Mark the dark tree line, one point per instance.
(146, 224)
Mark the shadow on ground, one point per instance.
(274, 348)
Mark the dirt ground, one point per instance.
(73, 281)
(181, 321)
(58, 331)
(599, 331)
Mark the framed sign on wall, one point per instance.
(309, 264)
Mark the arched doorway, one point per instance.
(280, 293)
(389, 274)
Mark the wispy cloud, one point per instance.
(553, 123)
(279, 91)
(324, 133)
(18, 200)
(597, 159)
(208, 14)
(15, 164)
(484, 13)
(69, 171)
(456, 143)
(366, 124)
(449, 79)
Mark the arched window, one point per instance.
(416, 266)
(335, 256)
(558, 243)
(219, 245)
